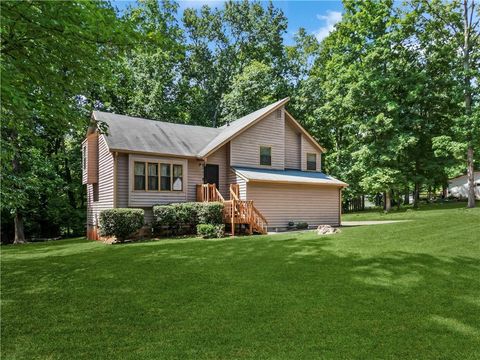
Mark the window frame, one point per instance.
(173, 176)
(159, 163)
(144, 175)
(260, 154)
(170, 176)
(307, 162)
(147, 177)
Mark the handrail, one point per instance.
(208, 192)
(235, 211)
(260, 214)
(234, 191)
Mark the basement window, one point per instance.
(265, 155)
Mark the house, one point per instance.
(265, 167)
(458, 186)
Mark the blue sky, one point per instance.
(317, 17)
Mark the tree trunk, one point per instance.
(406, 199)
(388, 205)
(467, 82)
(19, 234)
(416, 195)
(471, 178)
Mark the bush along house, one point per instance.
(264, 167)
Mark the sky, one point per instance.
(317, 17)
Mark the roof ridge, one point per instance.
(249, 119)
(153, 120)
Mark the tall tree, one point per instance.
(51, 56)
(147, 79)
(456, 25)
(221, 43)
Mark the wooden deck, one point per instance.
(236, 211)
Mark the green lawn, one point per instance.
(396, 291)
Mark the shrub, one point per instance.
(120, 222)
(187, 214)
(208, 231)
(210, 213)
(175, 216)
(291, 225)
(163, 215)
(302, 225)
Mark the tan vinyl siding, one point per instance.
(242, 184)
(292, 147)
(105, 184)
(148, 215)
(90, 150)
(270, 131)
(308, 148)
(122, 181)
(93, 158)
(144, 199)
(219, 158)
(281, 203)
(195, 176)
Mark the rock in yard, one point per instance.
(326, 230)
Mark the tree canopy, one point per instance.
(391, 92)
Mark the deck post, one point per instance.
(233, 217)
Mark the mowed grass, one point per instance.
(397, 291)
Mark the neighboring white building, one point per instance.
(458, 187)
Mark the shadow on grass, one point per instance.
(282, 296)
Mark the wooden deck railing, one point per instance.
(208, 192)
(235, 211)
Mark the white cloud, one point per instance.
(330, 20)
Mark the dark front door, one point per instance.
(210, 174)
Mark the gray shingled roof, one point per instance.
(149, 136)
(287, 175)
(127, 133)
(229, 130)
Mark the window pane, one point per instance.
(165, 169)
(267, 151)
(139, 170)
(177, 177)
(177, 170)
(139, 182)
(311, 161)
(84, 157)
(165, 179)
(265, 155)
(152, 176)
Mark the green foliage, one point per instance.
(251, 90)
(53, 58)
(390, 92)
(210, 213)
(417, 284)
(121, 223)
(209, 231)
(185, 216)
(164, 216)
